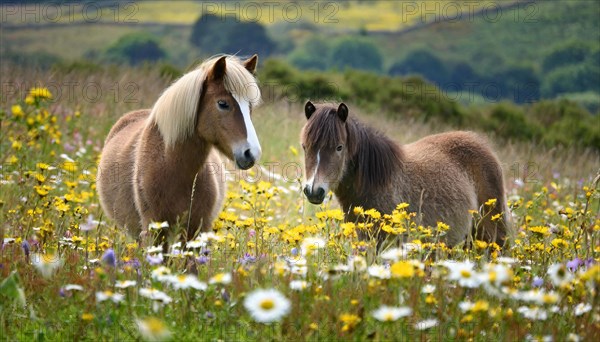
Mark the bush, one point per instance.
(567, 54)
(511, 122)
(424, 63)
(134, 49)
(518, 83)
(311, 55)
(572, 79)
(213, 34)
(356, 54)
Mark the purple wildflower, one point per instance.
(537, 282)
(154, 259)
(109, 258)
(26, 248)
(202, 260)
(574, 264)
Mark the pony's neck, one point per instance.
(189, 155)
(374, 163)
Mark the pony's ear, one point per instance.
(218, 70)
(251, 63)
(342, 112)
(309, 109)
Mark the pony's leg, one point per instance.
(490, 186)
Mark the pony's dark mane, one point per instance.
(374, 157)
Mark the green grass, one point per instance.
(555, 213)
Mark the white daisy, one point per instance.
(390, 314)
(73, 287)
(186, 281)
(221, 278)
(463, 272)
(46, 263)
(426, 324)
(266, 306)
(428, 288)
(158, 225)
(533, 313)
(311, 244)
(153, 329)
(379, 271)
(109, 295)
(156, 295)
(154, 249)
(582, 308)
(299, 285)
(161, 273)
(394, 254)
(125, 284)
(559, 274)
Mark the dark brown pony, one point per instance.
(442, 177)
(160, 163)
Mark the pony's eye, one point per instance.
(303, 147)
(223, 105)
(339, 148)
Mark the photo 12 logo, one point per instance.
(69, 12)
(272, 11)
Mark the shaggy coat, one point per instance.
(163, 164)
(442, 177)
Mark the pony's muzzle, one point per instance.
(246, 159)
(314, 196)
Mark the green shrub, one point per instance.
(424, 63)
(356, 54)
(572, 79)
(509, 121)
(213, 34)
(570, 53)
(134, 49)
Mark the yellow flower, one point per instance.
(17, 145)
(560, 243)
(17, 111)
(496, 217)
(373, 213)
(491, 202)
(294, 150)
(480, 244)
(350, 321)
(402, 269)
(87, 316)
(153, 329)
(540, 230)
(480, 306)
(402, 206)
(40, 93)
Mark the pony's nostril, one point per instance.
(248, 155)
(321, 192)
(306, 191)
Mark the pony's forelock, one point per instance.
(175, 110)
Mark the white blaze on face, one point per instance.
(251, 137)
(311, 182)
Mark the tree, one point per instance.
(135, 48)
(566, 54)
(518, 83)
(213, 34)
(356, 54)
(310, 55)
(424, 63)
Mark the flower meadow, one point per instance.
(275, 267)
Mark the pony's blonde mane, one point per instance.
(175, 110)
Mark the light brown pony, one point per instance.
(441, 176)
(152, 159)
